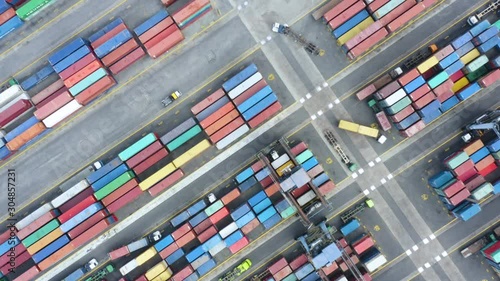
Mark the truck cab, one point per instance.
(154, 237)
(172, 97)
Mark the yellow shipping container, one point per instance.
(470, 56)
(191, 153)
(367, 131)
(283, 167)
(460, 84)
(355, 31)
(348, 126)
(428, 64)
(164, 276)
(144, 257)
(156, 177)
(46, 240)
(156, 270)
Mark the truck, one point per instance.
(136, 245)
(237, 271)
(474, 247)
(382, 119)
(472, 20)
(363, 130)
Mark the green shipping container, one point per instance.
(476, 64)
(137, 147)
(217, 205)
(473, 76)
(304, 156)
(197, 14)
(457, 160)
(387, 8)
(182, 139)
(87, 81)
(437, 80)
(482, 191)
(33, 7)
(40, 233)
(114, 185)
(290, 211)
(397, 107)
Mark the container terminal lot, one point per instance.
(157, 81)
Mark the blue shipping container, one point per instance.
(240, 77)
(152, 21)
(454, 68)
(262, 174)
(21, 128)
(50, 249)
(111, 165)
(246, 185)
(467, 47)
(259, 107)
(194, 254)
(245, 174)
(304, 270)
(257, 198)
(118, 171)
(469, 91)
(80, 217)
(206, 267)
(449, 103)
(320, 180)
(408, 121)
(10, 25)
(488, 45)
(349, 24)
(2, 142)
(264, 92)
(180, 218)
(332, 252)
(4, 7)
(350, 227)
(431, 117)
(262, 205)
(312, 277)
(414, 84)
(105, 29)
(496, 187)
(272, 221)
(233, 238)
(212, 108)
(430, 108)
(75, 276)
(462, 40)
(198, 219)
(113, 43)
(197, 207)
(212, 242)
(266, 214)
(487, 34)
(164, 242)
(447, 61)
(175, 256)
(467, 211)
(36, 78)
(440, 179)
(245, 219)
(493, 145)
(192, 277)
(282, 205)
(479, 28)
(71, 59)
(240, 211)
(5, 246)
(480, 154)
(310, 163)
(4, 152)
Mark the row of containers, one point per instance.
(491, 253)
(451, 75)
(468, 178)
(206, 234)
(85, 68)
(358, 25)
(64, 224)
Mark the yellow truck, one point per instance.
(363, 130)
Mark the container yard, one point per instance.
(253, 140)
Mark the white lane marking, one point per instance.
(378, 159)
(366, 192)
(354, 175)
(389, 176)
(318, 88)
(239, 7)
(372, 187)
(427, 265)
(426, 241)
(432, 236)
(408, 252)
(444, 254)
(420, 270)
(337, 101)
(371, 164)
(308, 96)
(330, 105)
(320, 112)
(302, 100)
(415, 248)
(383, 180)
(245, 3)
(437, 258)
(361, 171)
(313, 117)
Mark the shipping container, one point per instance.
(28, 135)
(406, 17)
(366, 44)
(210, 109)
(113, 185)
(166, 182)
(47, 207)
(184, 240)
(82, 216)
(168, 250)
(160, 36)
(219, 215)
(156, 177)
(150, 161)
(490, 79)
(349, 13)
(87, 224)
(166, 44)
(108, 35)
(350, 227)
(113, 43)
(109, 177)
(245, 85)
(231, 137)
(156, 29)
(350, 24)
(28, 274)
(264, 115)
(191, 153)
(61, 114)
(13, 112)
(199, 107)
(126, 61)
(183, 138)
(337, 10)
(181, 275)
(94, 90)
(77, 209)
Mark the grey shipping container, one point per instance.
(177, 131)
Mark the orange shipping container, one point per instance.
(82, 73)
(233, 194)
(95, 89)
(120, 52)
(210, 130)
(57, 256)
(233, 125)
(7, 15)
(473, 147)
(26, 136)
(166, 44)
(161, 36)
(125, 62)
(272, 189)
(217, 115)
(185, 239)
(159, 27)
(46, 240)
(207, 101)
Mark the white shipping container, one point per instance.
(70, 193)
(22, 96)
(238, 90)
(393, 98)
(375, 263)
(217, 248)
(232, 137)
(226, 231)
(200, 261)
(34, 216)
(280, 161)
(9, 94)
(482, 191)
(61, 114)
(306, 198)
(134, 246)
(127, 268)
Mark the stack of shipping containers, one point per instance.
(37, 77)
(9, 20)
(191, 12)
(466, 178)
(159, 34)
(491, 252)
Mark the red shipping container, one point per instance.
(444, 52)
(398, 11)
(160, 36)
(159, 27)
(18, 250)
(387, 90)
(50, 98)
(28, 274)
(443, 97)
(250, 92)
(82, 73)
(118, 253)
(189, 9)
(266, 182)
(99, 87)
(166, 182)
(66, 216)
(429, 73)
(428, 3)
(32, 227)
(207, 234)
(184, 240)
(225, 109)
(165, 44)
(113, 196)
(406, 17)
(20, 259)
(277, 266)
(202, 226)
(299, 148)
(331, 268)
(489, 79)
(226, 130)
(7, 15)
(59, 101)
(168, 250)
(318, 169)
(207, 101)
(120, 52)
(126, 61)
(264, 115)
(88, 223)
(92, 232)
(142, 278)
(298, 262)
(272, 189)
(58, 255)
(360, 37)
(408, 77)
(326, 188)
(150, 161)
(185, 228)
(338, 9)
(467, 165)
(143, 154)
(375, 5)
(233, 194)
(77, 199)
(459, 197)
(14, 111)
(456, 76)
(366, 92)
(110, 34)
(362, 245)
(257, 166)
(45, 93)
(167, 2)
(443, 88)
(419, 92)
(240, 244)
(124, 200)
(183, 274)
(81, 63)
(474, 182)
(210, 130)
(398, 117)
(454, 188)
(423, 101)
(346, 15)
(250, 226)
(296, 193)
(367, 43)
(413, 129)
(488, 169)
(467, 174)
(219, 215)
(488, 252)
(485, 162)
(284, 272)
(383, 121)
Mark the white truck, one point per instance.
(472, 20)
